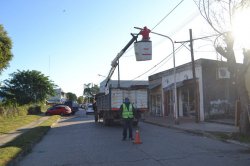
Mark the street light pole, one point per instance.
(175, 89)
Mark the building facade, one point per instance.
(59, 97)
(216, 92)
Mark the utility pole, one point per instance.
(196, 107)
(196, 101)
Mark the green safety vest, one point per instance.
(127, 113)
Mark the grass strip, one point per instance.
(24, 143)
(9, 124)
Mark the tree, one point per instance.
(26, 87)
(71, 96)
(80, 99)
(5, 49)
(219, 15)
(90, 91)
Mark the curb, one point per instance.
(238, 143)
(53, 124)
(221, 122)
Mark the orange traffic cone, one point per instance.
(137, 138)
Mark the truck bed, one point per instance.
(113, 101)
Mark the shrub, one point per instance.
(34, 110)
(22, 110)
(13, 111)
(2, 111)
(8, 112)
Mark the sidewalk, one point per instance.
(4, 138)
(189, 125)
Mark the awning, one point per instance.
(155, 85)
(171, 86)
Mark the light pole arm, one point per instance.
(175, 88)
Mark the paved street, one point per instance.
(78, 140)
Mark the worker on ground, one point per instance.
(127, 113)
(95, 110)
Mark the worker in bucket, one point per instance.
(127, 113)
(145, 34)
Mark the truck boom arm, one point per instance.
(114, 63)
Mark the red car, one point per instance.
(59, 110)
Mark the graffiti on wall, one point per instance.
(219, 107)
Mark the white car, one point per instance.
(89, 109)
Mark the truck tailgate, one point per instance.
(138, 98)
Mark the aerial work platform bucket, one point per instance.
(143, 50)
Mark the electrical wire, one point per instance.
(183, 43)
(176, 51)
(153, 29)
(157, 63)
(160, 21)
(167, 15)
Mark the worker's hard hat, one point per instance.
(126, 100)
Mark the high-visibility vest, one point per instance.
(127, 113)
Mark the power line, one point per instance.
(153, 29)
(204, 37)
(159, 22)
(176, 51)
(157, 64)
(183, 44)
(167, 15)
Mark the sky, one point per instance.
(74, 41)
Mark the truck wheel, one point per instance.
(106, 121)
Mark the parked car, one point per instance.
(89, 109)
(59, 110)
